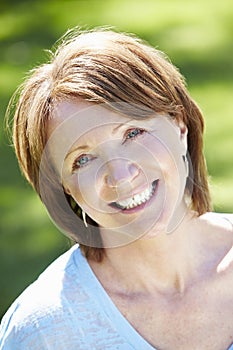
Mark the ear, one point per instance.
(183, 134)
(66, 190)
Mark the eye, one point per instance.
(81, 161)
(133, 133)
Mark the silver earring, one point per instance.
(84, 218)
(186, 164)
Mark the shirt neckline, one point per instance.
(95, 290)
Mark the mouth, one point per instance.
(138, 199)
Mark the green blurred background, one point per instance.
(196, 35)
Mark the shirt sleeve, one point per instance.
(8, 334)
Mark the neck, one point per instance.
(166, 262)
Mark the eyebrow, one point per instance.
(120, 125)
(114, 130)
(78, 148)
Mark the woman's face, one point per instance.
(128, 175)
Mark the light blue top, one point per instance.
(68, 309)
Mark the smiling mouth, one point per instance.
(137, 199)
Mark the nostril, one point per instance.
(109, 181)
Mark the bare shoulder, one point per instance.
(229, 217)
(223, 222)
(218, 239)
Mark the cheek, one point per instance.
(167, 159)
(82, 187)
(159, 155)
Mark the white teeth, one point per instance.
(138, 199)
(125, 202)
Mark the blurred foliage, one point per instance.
(196, 35)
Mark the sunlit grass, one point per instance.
(215, 100)
(222, 194)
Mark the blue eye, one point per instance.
(81, 161)
(133, 133)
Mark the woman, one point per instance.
(110, 139)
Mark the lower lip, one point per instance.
(143, 205)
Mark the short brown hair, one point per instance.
(104, 66)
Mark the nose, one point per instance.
(120, 172)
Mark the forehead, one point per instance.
(81, 117)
